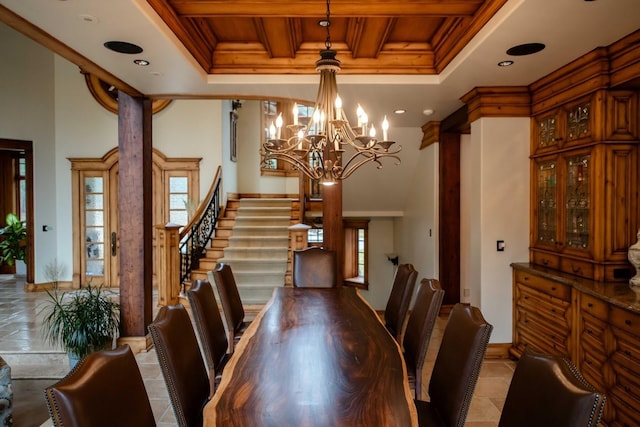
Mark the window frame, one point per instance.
(352, 226)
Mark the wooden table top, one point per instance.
(314, 357)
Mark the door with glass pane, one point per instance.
(98, 255)
(95, 208)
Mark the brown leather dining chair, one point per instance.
(231, 302)
(314, 267)
(395, 313)
(210, 329)
(549, 390)
(417, 335)
(456, 369)
(181, 364)
(104, 389)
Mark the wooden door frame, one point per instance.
(27, 148)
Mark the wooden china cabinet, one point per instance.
(584, 186)
(573, 298)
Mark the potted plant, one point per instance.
(81, 321)
(13, 239)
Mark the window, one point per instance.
(315, 237)
(355, 250)
(179, 204)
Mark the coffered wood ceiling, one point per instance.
(284, 37)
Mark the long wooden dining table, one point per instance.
(314, 357)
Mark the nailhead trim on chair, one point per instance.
(54, 412)
(162, 357)
(592, 416)
(472, 383)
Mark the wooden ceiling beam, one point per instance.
(316, 8)
(367, 37)
(281, 37)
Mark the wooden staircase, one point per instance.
(224, 234)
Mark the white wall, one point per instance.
(417, 230)
(381, 270)
(385, 191)
(249, 139)
(27, 113)
(495, 191)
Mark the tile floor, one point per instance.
(29, 356)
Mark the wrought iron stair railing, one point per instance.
(195, 237)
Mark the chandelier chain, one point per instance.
(327, 42)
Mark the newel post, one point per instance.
(298, 239)
(168, 269)
(298, 236)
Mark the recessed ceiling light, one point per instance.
(156, 73)
(505, 63)
(123, 47)
(400, 111)
(88, 18)
(525, 49)
(427, 112)
(141, 62)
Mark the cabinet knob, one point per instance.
(553, 288)
(590, 305)
(627, 322)
(545, 262)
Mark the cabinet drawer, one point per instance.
(546, 260)
(592, 366)
(554, 289)
(543, 309)
(534, 334)
(579, 268)
(539, 319)
(594, 306)
(626, 321)
(626, 354)
(625, 416)
(626, 388)
(593, 331)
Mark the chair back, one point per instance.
(229, 298)
(420, 325)
(395, 313)
(457, 366)
(104, 389)
(549, 390)
(181, 364)
(314, 267)
(209, 326)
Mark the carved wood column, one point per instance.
(135, 219)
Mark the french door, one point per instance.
(96, 217)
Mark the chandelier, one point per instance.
(328, 148)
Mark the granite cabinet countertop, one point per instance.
(616, 293)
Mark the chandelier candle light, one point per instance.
(317, 149)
